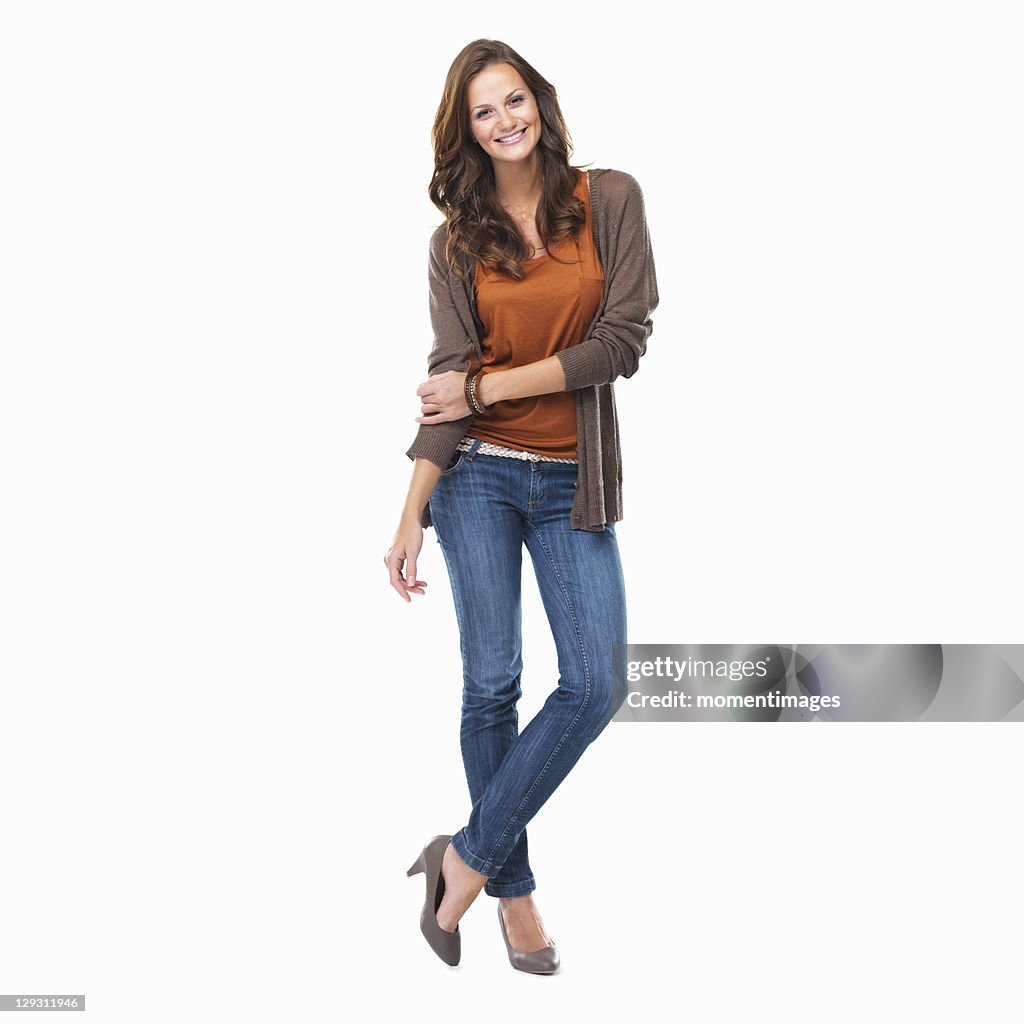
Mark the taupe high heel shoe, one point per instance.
(540, 961)
(447, 945)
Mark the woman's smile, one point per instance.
(503, 113)
(511, 140)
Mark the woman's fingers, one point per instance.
(432, 388)
(442, 398)
(441, 383)
(394, 560)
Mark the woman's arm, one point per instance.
(543, 377)
(619, 338)
(453, 352)
(612, 349)
(408, 542)
(444, 398)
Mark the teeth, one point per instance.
(509, 138)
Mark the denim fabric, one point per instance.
(484, 508)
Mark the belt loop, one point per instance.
(473, 446)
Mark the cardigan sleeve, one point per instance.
(619, 337)
(454, 348)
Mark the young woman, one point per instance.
(542, 286)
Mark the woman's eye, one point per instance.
(517, 99)
(481, 113)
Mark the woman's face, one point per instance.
(503, 113)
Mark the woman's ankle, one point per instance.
(466, 875)
(516, 902)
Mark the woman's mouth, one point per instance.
(511, 140)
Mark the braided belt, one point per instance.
(486, 448)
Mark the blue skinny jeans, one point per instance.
(484, 508)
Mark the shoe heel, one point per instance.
(447, 945)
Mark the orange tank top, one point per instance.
(528, 320)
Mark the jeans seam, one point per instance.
(586, 699)
(487, 867)
(458, 614)
(500, 887)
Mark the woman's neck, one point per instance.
(518, 185)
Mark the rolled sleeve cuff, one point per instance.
(438, 441)
(582, 366)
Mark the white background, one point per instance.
(224, 738)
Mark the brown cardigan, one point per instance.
(612, 348)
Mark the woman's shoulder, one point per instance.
(438, 245)
(439, 266)
(614, 184)
(438, 239)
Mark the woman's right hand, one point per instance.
(404, 551)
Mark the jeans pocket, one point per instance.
(453, 463)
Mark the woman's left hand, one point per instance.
(443, 398)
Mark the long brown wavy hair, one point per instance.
(463, 187)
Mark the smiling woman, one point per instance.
(508, 127)
(492, 111)
(497, 110)
(542, 287)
